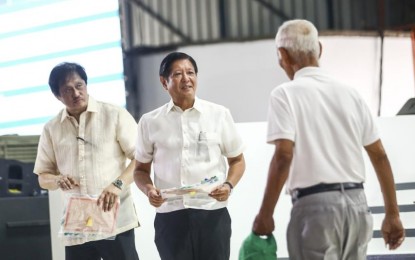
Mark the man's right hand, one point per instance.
(155, 198)
(263, 225)
(66, 182)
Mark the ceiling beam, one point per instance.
(162, 20)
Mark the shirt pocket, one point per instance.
(207, 143)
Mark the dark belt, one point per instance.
(322, 187)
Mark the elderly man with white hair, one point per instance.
(319, 126)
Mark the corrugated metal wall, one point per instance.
(157, 23)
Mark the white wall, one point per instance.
(241, 75)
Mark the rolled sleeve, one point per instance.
(45, 159)
(280, 120)
(126, 133)
(232, 144)
(144, 148)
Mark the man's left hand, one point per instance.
(221, 193)
(108, 197)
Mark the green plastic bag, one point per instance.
(257, 248)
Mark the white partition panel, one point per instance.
(397, 134)
(398, 138)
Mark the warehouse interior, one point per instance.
(369, 43)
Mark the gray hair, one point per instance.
(298, 37)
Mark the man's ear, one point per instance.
(284, 55)
(163, 82)
(321, 49)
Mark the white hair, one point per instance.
(298, 36)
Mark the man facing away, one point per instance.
(319, 126)
(187, 141)
(84, 151)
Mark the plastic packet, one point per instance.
(83, 220)
(204, 187)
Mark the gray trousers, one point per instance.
(335, 225)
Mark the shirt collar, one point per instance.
(170, 106)
(307, 71)
(92, 107)
(197, 105)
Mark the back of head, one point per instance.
(298, 37)
(166, 63)
(61, 72)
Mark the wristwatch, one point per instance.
(118, 183)
(230, 186)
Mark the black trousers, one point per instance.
(193, 234)
(121, 248)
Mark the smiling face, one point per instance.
(181, 83)
(73, 94)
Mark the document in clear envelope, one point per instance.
(84, 215)
(204, 187)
